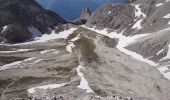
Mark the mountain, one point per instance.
(18, 18)
(122, 52)
(65, 8)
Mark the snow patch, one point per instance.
(45, 87)
(138, 14)
(14, 64)
(53, 35)
(109, 12)
(47, 37)
(46, 51)
(167, 17)
(39, 60)
(167, 0)
(4, 29)
(168, 54)
(71, 45)
(83, 83)
(35, 32)
(19, 50)
(159, 4)
(56, 52)
(160, 52)
(163, 71)
(137, 25)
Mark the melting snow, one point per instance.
(53, 35)
(167, 0)
(19, 50)
(14, 64)
(49, 86)
(109, 12)
(35, 32)
(71, 45)
(83, 83)
(138, 14)
(167, 16)
(4, 29)
(163, 71)
(38, 61)
(137, 25)
(159, 4)
(7, 66)
(168, 54)
(160, 52)
(46, 51)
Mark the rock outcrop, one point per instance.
(17, 15)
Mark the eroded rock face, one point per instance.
(112, 16)
(18, 15)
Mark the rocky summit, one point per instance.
(117, 52)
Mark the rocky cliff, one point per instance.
(17, 15)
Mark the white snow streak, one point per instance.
(19, 50)
(71, 45)
(4, 29)
(168, 54)
(45, 87)
(83, 83)
(160, 52)
(159, 4)
(35, 32)
(138, 14)
(46, 51)
(14, 64)
(167, 17)
(53, 35)
(163, 71)
(109, 12)
(167, 0)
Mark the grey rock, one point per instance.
(20, 14)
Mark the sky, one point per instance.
(71, 9)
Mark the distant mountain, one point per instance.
(19, 17)
(71, 9)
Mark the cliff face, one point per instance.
(135, 16)
(151, 17)
(17, 15)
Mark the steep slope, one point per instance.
(20, 18)
(138, 17)
(83, 66)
